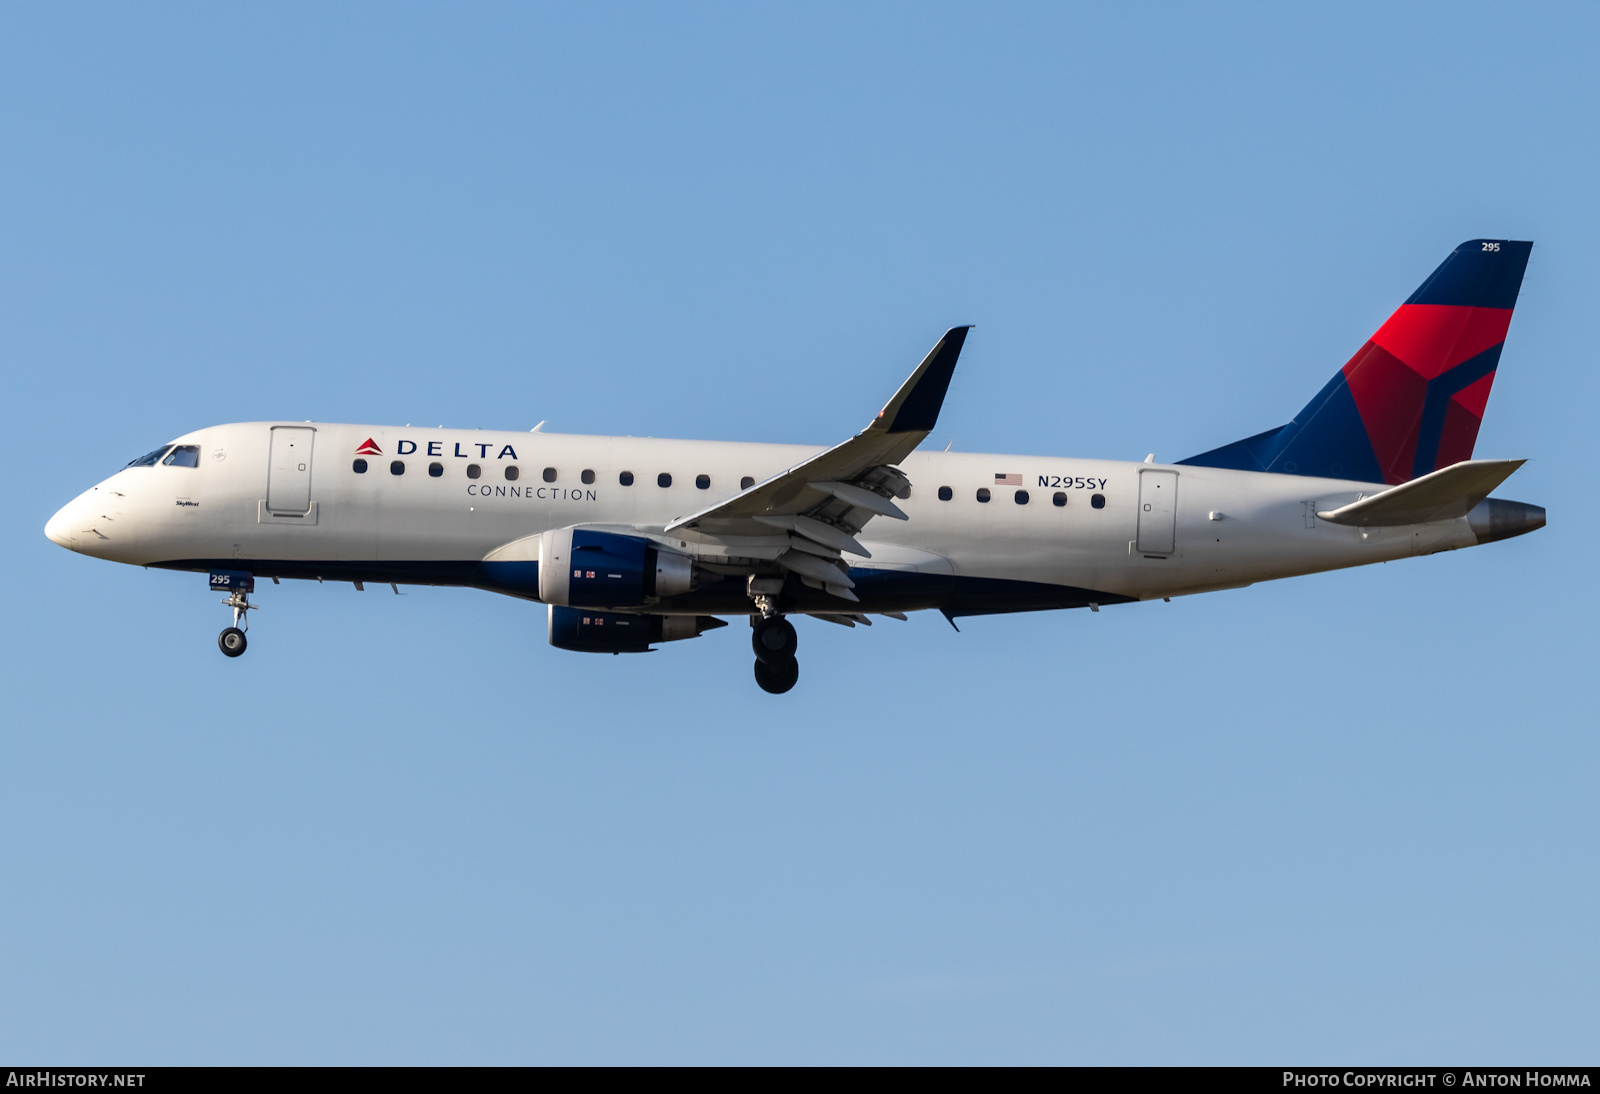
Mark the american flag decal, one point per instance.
(1008, 480)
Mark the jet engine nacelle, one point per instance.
(588, 631)
(584, 568)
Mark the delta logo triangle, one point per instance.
(369, 447)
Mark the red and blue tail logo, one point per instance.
(1411, 400)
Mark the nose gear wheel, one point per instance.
(232, 641)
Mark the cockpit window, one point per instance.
(183, 455)
(150, 459)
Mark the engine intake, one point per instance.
(588, 631)
(581, 568)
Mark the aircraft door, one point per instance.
(1158, 511)
(289, 469)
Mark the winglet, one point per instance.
(915, 407)
(860, 472)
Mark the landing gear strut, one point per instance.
(774, 640)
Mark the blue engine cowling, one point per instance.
(589, 631)
(583, 568)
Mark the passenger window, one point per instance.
(626, 478)
(702, 482)
(359, 467)
(983, 493)
(549, 474)
(184, 455)
(1098, 501)
(150, 459)
(435, 470)
(1058, 499)
(512, 473)
(473, 471)
(587, 477)
(397, 467)
(945, 493)
(747, 482)
(663, 480)
(1022, 497)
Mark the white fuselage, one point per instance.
(1206, 528)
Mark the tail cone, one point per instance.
(1494, 519)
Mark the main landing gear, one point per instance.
(774, 640)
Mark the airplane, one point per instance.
(631, 542)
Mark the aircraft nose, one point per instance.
(59, 528)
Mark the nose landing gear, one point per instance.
(232, 641)
(774, 641)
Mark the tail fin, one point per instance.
(1411, 400)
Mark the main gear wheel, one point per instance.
(777, 675)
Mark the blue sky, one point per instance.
(1346, 817)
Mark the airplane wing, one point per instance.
(1440, 495)
(824, 502)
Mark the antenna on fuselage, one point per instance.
(538, 427)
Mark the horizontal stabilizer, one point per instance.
(1442, 495)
